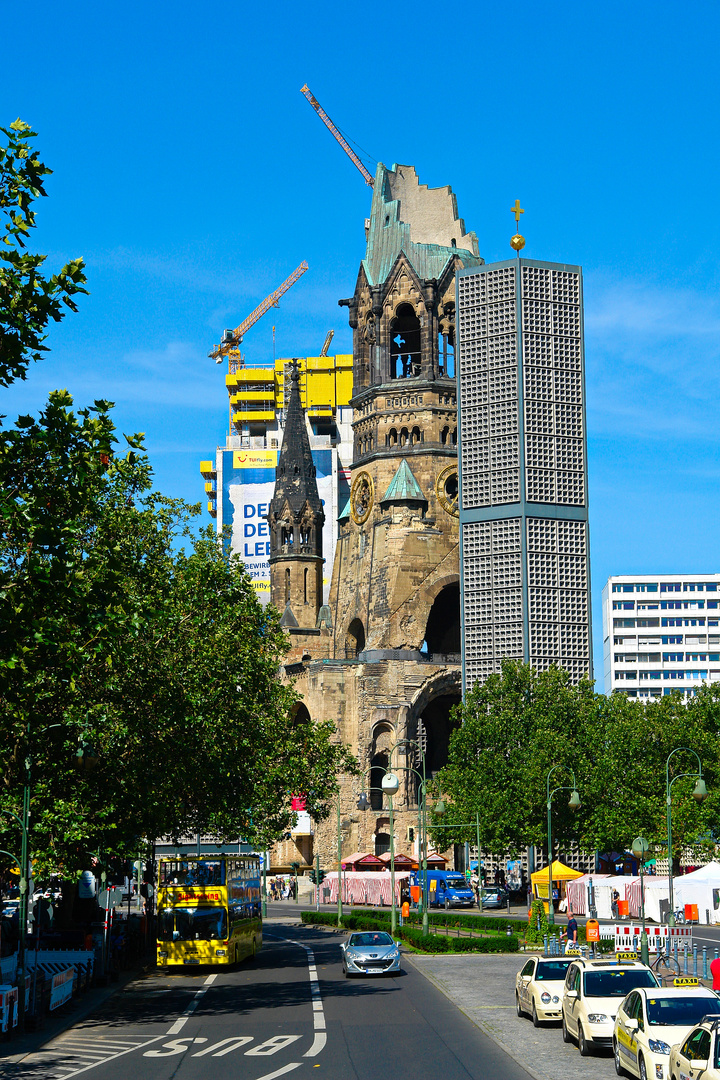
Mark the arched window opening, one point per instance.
(304, 535)
(442, 632)
(305, 585)
(454, 437)
(433, 730)
(287, 536)
(444, 435)
(382, 843)
(415, 435)
(287, 586)
(393, 436)
(404, 436)
(378, 766)
(446, 353)
(405, 343)
(354, 640)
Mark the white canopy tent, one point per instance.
(701, 887)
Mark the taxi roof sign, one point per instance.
(626, 956)
(685, 981)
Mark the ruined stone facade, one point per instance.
(383, 659)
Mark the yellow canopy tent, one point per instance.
(560, 873)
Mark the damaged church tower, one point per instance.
(384, 659)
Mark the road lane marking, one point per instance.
(320, 1035)
(59, 1069)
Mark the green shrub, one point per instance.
(537, 926)
(456, 918)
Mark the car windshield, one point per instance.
(683, 1011)
(491, 892)
(364, 941)
(552, 969)
(456, 883)
(617, 983)
(192, 924)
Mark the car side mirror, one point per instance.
(571, 994)
(699, 1065)
(634, 1024)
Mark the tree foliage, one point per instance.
(521, 724)
(29, 301)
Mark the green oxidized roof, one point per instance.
(403, 486)
(409, 216)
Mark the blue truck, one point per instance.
(446, 888)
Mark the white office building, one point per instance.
(661, 633)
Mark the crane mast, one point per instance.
(231, 338)
(328, 339)
(305, 91)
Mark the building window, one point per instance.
(669, 586)
(672, 657)
(287, 586)
(305, 584)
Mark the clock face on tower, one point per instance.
(361, 497)
(448, 491)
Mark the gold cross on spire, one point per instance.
(517, 211)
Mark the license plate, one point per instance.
(192, 961)
(374, 971)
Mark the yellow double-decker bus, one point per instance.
(209, 909)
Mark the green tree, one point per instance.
(29, 301)
(112, 636)
(515, 728)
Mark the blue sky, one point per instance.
(193, 177)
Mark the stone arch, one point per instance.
(354, 639)
(415, 436)
(430, 723)
(300, 713)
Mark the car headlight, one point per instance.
(545, 998)
(597, 1018)
(658, 1046)
(556, 1000)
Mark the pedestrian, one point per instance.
(715, 972)
(614, 905)
(572, 933)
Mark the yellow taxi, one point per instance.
(698, 1054)
(651, 1021)
(593, 991)
(539, 988)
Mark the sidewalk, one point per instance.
(78, 1008)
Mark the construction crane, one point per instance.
(328, 339)
(305, 90)
(231, 338)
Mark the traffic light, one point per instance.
(313, 877)
(321, 877)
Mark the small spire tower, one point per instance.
(296, 519)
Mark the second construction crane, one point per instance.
(231, 338)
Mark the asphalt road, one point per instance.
(289, 1012)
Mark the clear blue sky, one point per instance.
(193, 177)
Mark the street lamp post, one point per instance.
(699, 793)
(339, 855)
(639, 850)
(390, 784)
(573, 803)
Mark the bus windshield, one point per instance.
(197, 872)
(192, 924)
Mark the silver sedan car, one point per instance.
(370, 952)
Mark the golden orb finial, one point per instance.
(518, 242)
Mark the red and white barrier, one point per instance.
(659, 937)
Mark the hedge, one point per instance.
(433, 943)
(457, 918)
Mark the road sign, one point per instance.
(110, 898)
